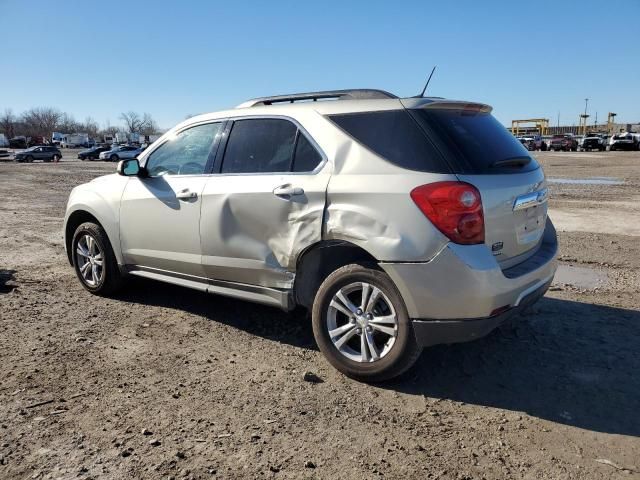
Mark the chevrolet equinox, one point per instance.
(399, 223)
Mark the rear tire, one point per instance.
(95, 264)
(56, 158)
(388, 341)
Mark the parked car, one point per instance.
(624, 141)
(528, 143)
(593, 141)
(399, 223)
(565, 142)
(44, 153)
(120, 152)
(92, 153)
(533, 143)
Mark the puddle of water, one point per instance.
(580, 277)
(587, 181)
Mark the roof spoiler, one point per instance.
(442, 104)
(353, 94)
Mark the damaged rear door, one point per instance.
(264, 204)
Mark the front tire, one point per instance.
(94, 261)
(361, 324)
(113, 158)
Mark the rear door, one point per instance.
(513, 187)
(265, 204)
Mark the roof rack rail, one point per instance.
(354, 94)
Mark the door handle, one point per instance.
(186, 194)
(287, 191)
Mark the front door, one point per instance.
(160, 212)
(39, 153)
(265, 205)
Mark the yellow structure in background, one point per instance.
(542, 124)
(583, 123)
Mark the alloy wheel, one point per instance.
(362, 323)
(89, 258)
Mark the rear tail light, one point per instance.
(454, 208)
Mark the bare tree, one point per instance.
(41, 121)
(67, 124)
(148, 126)
(132, 121)
(8, 123)
(90, 126)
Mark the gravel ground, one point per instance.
(164, 382)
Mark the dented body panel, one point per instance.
(249, 235)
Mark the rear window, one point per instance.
(438, 140)
(474, 141)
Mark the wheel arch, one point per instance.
(81, 215)
(319, 260)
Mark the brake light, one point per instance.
(454, 208)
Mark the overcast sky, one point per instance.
(171, 59)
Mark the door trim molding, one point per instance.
(282, 298)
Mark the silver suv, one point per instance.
(398, 222)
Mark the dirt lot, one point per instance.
(164, 382)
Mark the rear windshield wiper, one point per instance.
(511, 162)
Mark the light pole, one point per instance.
(585, 116)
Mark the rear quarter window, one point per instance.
(395, 136)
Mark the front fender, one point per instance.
(104, 206)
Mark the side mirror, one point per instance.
(129, 167)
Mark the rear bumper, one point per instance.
(435, 332)
(454, 297)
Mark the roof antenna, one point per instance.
(427, 84)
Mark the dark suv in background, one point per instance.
(43, 152)
(93, 153)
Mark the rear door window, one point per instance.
(260, 145)
(395, 136)
(306, 157)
